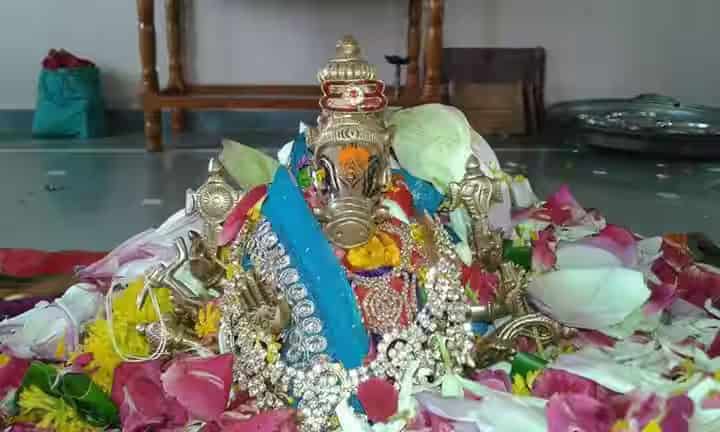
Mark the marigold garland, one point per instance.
(126, 317)
(522, 385)
(48, 412)
(381, 251)
(208, 322)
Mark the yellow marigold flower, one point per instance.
(568, 349)
(531, 376)
(60, 350)
(126, 317)
(653, 426)
(687, 369)
(232, 270)
(224, 254)
(125, 304)
(4, 359)
(380, 251)
(273, 352)
(48, 412)
(422, 274)
(525, 235)
(208, 321)
(418, 233)
(624, 426)
(255, 212)
(522, 386)
(519, 387)
(391, 188)
(620, 426)
(105, 358)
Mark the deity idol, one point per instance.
(322, 286)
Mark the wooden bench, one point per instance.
(179, 95)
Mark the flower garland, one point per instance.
(126, 317)
(49, 412)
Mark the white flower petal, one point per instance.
(592, 298)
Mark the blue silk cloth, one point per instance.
(425, 197)
(298, 154)
(319, 269)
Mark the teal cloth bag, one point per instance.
(69, 104)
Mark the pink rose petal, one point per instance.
(712, 401)
(279, 420)
(678, 411)
(137, 391)
(495, 379)
(201, 385)
(552, 381)
(676, 252)
(439, 424)
(664, 272)
(618, 241)
(661, 297)
(595, 338)
(698, 283)
(427, 421)
(83, 359)
(578, 413)
(540, 215)
(12, 374)
(379, 398)
(563, 207)
(543, 251)
(483, 284)
(238, 215)
(101, 272)
(642, 408)
(80, 363)
(714, 350)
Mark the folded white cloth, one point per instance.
(39, 332)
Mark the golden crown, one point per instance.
(352, 103)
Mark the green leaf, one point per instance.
(78, 390)
(432, 142)
(247, 166)
(304, 179)
(523, 363)
(91, 402)
(520, 255)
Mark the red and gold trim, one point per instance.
(353, 96)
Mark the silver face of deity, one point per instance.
(350, 178)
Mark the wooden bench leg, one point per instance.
(153, 131)
(432, 88)
(148, 59)
(412, 82)
(176, 80)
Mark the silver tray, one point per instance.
(647, 123)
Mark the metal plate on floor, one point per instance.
(647, 123)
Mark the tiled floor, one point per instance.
(94, 194)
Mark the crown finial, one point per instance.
(348, 64)
(347, 48)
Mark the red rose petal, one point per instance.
(379, 398)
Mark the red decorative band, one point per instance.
(353, 96)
